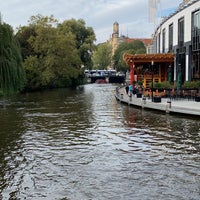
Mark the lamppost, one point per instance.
(170, 74)
(179, 80)
(131, 64)
(152, 63)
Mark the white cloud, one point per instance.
(132, 15)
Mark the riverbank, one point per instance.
(167, 105)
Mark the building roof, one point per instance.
(148, 58)
(185, 4)
(146, 41)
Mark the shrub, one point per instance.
(163, 85)
(191, 84)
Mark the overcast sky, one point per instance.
(132, 15)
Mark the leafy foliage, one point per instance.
(102, 56)
(12, 76)
(191, 84)
(84, 38)
(23, 35)
(134, 47)
(165, 84)
(53, 53)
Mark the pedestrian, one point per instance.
(127, 89)
(130, 90)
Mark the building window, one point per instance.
(196, 66)
(159, 43)
(181, 35)
(170, 37)
(196, 30)
(196, 45)
(163, 41)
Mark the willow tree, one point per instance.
(12, 76)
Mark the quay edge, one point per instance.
(182, 107)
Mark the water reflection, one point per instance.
(11, 124)
(83, 144)
(176, 134)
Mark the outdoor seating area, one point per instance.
(188, 94)
(168, 101)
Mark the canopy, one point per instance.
(148, 58)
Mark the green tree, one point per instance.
(138, 46)
(54, 53)
(23, 35)
(134, 47)
(102, 56)
(84, 37)
(12, 76)
(55, 61)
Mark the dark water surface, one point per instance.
(84, 145)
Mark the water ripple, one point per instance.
(83, 144)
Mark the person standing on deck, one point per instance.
(130, 90)
(127, 89)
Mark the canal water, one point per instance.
(82, 144)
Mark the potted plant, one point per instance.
(189, 85)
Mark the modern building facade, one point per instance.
(179, 33)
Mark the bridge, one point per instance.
(108, 76)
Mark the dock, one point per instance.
(167, 105)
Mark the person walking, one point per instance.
(127, 89)
(130, 90)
